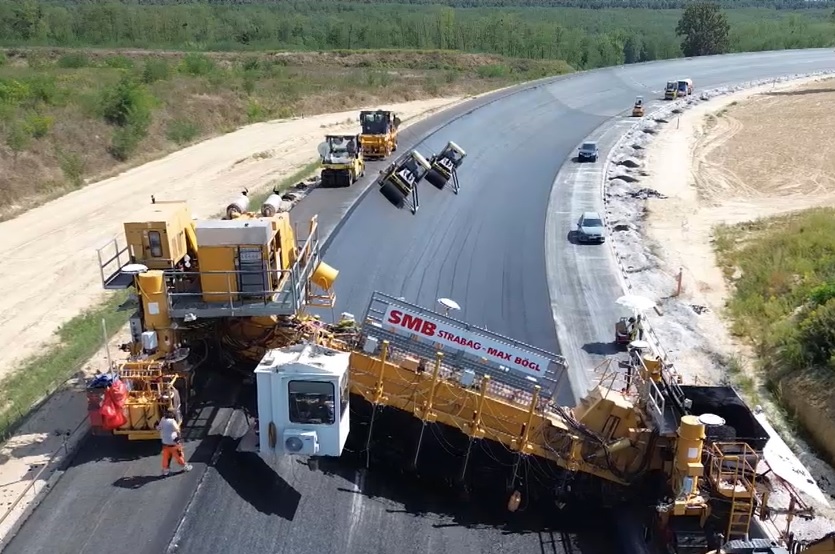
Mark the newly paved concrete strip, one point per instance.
(485, 248)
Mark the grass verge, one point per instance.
(782, 272)
(79, 339)
(68, 117)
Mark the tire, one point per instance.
(392, 194)
(394, 148)
(437, 180)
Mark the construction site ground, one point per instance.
(756, 153)
(49, 262)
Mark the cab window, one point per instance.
(311, 402)
(155, 244)
(343, 395)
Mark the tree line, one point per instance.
(585, 4)
(583, 38)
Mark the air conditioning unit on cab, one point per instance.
(305, 443)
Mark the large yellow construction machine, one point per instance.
(379, 133)
(242, 281)
(692, 450)
(342, 160)
(689, 460)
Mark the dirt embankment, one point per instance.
(69, 117)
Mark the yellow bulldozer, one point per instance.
(243, 280)
(342, 160)
(379, 133)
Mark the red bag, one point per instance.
(119, 391)
(112, 414)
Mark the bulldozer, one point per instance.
(342, 160)
(444, 166)
(379, 133)
(638, 107)
(240, 283)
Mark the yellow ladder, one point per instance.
(734, 478)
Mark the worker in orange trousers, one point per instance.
(172, 447)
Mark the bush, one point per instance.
(197, 65)
(125, 141)
(73, 60)
(118, 62)
(73, 167)
(128, 104)
(155, 70)
(38, 125)
(181, 131)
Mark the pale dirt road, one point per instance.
(48, 267)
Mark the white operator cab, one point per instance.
(302, 395)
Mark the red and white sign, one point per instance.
(455, 337)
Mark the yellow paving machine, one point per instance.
(379, 133)
(690, 460)
(242, 282)
(671, 90)
(342, 160)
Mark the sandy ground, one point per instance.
(48, 265)
(754, 153)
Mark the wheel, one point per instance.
(392, 194)
(437, 180)
(394, 148)
(594, 158)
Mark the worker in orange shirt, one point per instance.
(172, 447)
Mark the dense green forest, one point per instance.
(589, 4)
(584, 38)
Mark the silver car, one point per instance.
(590, 228)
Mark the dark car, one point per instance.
(588, 151)
(590, 228)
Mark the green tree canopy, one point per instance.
(705, 29)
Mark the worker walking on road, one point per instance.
(172, 447)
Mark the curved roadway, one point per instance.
(486, 248)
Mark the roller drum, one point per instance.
(238, 206)
(436, 179)
(271, 206)
(392, 193)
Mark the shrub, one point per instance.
(125, 141)
(197, 65)
(118, 62)
(155, 70)
(38, 125)
(127, 104)
(73, 60)
(182, 131)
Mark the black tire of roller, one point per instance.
(437, 180)
(392, 194)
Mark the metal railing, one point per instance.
(117, 257)
(460, 360)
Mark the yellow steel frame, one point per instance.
(477, 413)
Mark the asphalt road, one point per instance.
(488, 248)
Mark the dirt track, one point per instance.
(48, 267)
